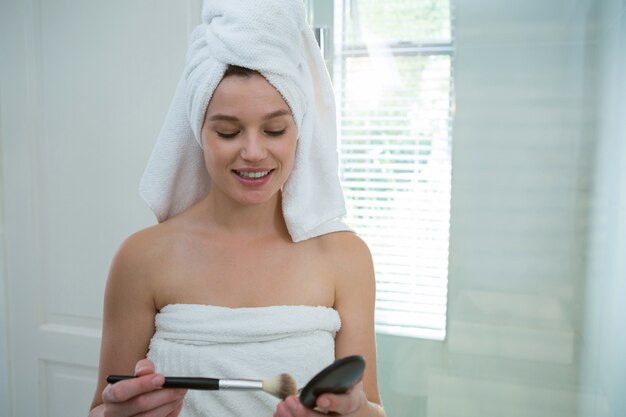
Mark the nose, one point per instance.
(253, 148)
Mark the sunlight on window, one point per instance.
(395, 94)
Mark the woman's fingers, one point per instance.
(144, 367)
(160, 402)
(343, 404)
(125, 390)
(176, 410)
(142, 395)
(291, 406)
(171, 409)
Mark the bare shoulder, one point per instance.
(139, 256)
(348, 252)
(146, 243)
(344, 244)
(351, 261)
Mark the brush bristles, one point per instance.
(281, 386)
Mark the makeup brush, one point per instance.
(280, 386)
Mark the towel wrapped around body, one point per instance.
(250, 343)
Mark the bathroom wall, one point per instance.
(4, 331)
(78, 117)
(522, 175)
(603, 359)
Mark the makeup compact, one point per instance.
(336, 378)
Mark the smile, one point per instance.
(252, 175)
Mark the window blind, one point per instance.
(393, 79)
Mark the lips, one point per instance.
(252, 175)
(253, 178)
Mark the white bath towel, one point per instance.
(251, 343)
(272, 37)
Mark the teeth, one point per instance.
(252, 174)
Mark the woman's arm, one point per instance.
(355, 295)
(128, 325)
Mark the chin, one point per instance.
(256, 200)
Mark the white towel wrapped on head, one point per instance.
(250, 343)
(273, 38)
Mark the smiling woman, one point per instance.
(250, 272)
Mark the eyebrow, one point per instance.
(268, 116)
(276, 113)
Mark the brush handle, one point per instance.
(210, 384)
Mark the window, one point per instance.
(392, 71)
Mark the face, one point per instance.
(249, 139)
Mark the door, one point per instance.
(84, 88)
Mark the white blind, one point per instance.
(393, 76)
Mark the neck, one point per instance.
(251, 221)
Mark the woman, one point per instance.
(248, 273)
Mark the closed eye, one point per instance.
(227, 135)
(275, 132)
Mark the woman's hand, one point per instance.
(339, 404)
(141, 395)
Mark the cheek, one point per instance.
(290, 154)
(211, 159)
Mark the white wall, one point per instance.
(84, 87)
(5, 389)
(603, 357)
